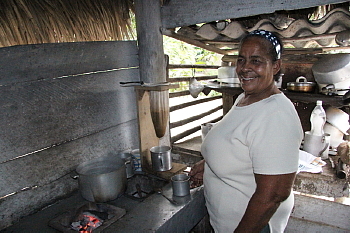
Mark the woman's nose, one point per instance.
(245, 66)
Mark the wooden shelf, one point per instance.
(305, 97)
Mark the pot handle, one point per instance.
(301, 78)
(160, 157)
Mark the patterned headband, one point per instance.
(270, 37)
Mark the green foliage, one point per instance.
(182, 53)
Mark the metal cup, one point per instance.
(317, 145)
(161, 158)
(181, 184)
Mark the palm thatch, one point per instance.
(53, 21)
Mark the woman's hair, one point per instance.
(275, 48)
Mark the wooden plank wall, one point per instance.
(60, 105)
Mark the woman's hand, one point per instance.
(196, 174)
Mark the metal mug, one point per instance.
(161, 158)
(181, 184)
(317, 145)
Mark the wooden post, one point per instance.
(152, 70)
(150, 41)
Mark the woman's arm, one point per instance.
(271, 190)
(196, 174)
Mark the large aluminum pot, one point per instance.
(102, 179)
(332, 69)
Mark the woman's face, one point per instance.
(255, 67)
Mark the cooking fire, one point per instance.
(91, 217)
(88, 223)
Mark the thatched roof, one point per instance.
(51, 21)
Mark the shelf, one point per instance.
(305, 97)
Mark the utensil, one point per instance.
(332, 69)
(301, 85)
(181, 184)
(317, 145)
(161, 158)
(102, 179)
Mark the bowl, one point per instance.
(338, 118)
(336, 135)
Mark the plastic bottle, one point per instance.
(318, 119)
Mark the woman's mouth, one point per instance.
(247, 79)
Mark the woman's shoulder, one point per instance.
(278, 103)
(279, 100)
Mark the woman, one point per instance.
(251, 155)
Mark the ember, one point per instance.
(88, 223)
(91, 217)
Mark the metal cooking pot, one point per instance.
(301, 85)
(102, 179)
(332, 68)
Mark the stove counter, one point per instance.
(153, 214)
(157, 214)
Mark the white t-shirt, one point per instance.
(262, 138)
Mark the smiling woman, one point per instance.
(251, 156)
(258, 62)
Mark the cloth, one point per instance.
(262, 138)
(310, 163)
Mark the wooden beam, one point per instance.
(184, 66)
(178, 13)
(187, 79)
(193, 42)
(199, 101)
(179, 93)
(194, 118)
(190, 131)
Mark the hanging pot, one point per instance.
(301, 85)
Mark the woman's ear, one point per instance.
(277, 66)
